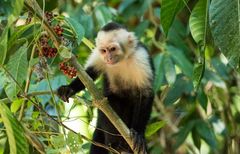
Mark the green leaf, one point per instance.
(33, 61)
(11, 9)
(124, 5)
(19, 31)
(77, 29)
(153, 128)
(17, 67)
(131, 8)
(181, 60)
(215, 79)
(159, 71)
(169, 10)
(58, 141)
(202, 98)
(15, 133)
(183, 133)
(182, 86)
(198, 21)
(3, 45)
(74, 142)
(206, 133)
(196, 138)
(198, 74)
(88, 43)
(169, 69)
(103, 15)
(225, 26)
(139, 29)
(16, 104)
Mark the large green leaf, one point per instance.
(225, 27)
(169, 10)
(17, 141)
(17, 67)
(198, 21)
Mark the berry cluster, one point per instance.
(58, 30)
(68, 70)
(46, 50)
(49, 52)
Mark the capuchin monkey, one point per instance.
(128, 75)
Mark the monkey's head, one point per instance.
(115, 43)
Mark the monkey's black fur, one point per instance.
(112, 26)
(133, 105)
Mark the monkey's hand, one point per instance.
(65, 92)
(139, 142)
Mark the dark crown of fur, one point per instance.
(112, 26)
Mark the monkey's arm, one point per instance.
(66, 91)
(141, 114)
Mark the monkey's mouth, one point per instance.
(111, 62)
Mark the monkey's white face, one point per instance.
(111, 53)
(114, 46)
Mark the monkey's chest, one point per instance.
(126, 81)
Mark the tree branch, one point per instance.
(99, 100)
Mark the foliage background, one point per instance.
(195, 48)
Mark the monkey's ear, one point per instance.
(132, 39)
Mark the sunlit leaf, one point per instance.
(16, 104)
(74, 142)
(154, 127)
(15, 133)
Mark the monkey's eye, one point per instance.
(112, 48)
(102, 50)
